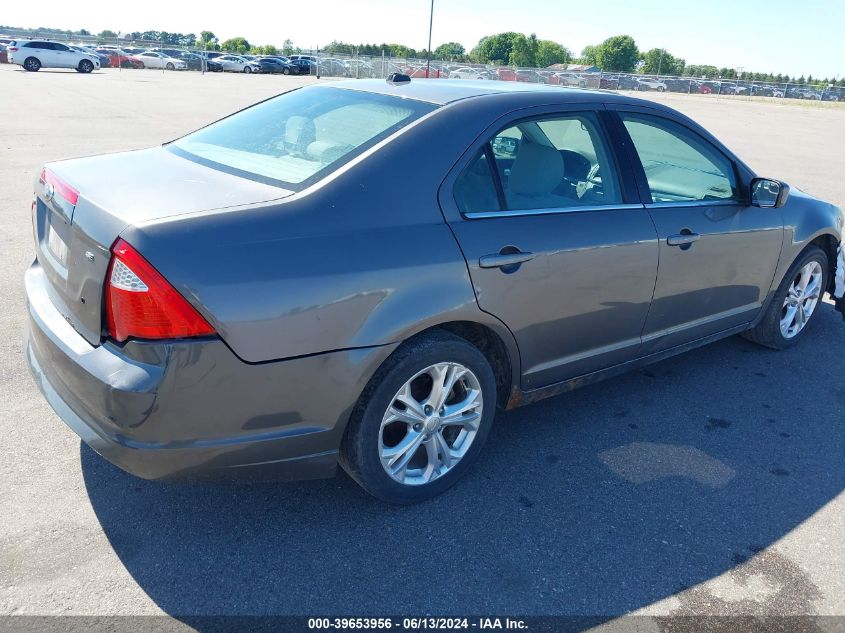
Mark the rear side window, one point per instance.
(301, 136)
(557, 162)
(680, 165)
(47, 46)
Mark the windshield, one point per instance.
(299, 137)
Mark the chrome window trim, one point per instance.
(694, 203)
(510, 213)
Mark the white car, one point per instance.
(152, 59)
(34, 55)
(465, 73)
(237, 64)
(649, 83)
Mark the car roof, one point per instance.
(444, 91)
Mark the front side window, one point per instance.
(301, 136)
(679, 165)
(558, 162)
(61, 47)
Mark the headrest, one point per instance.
(537, 170)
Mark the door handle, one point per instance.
(508, 256)
(682, 239)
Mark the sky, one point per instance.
(778, 36)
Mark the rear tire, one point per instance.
(86, 66)
(774, 329)
(442, 450)
(32, 64)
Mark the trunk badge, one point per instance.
(89, 256)
(49, 191)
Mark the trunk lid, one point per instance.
(86, 203)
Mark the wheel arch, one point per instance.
(492, 339)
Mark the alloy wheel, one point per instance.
(430, 424)
(801, 299)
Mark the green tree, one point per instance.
(659, 61)
(267, 49)
(524, 50)
(617, 54)
(208, 41)
(288, 48)
(449, 50)
(588, 55)
(549, 53)
(495, 49)
(104, 35)
(236, 45)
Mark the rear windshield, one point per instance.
(299, 137)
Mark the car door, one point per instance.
(65, 57)
(718, 254)
(557, 244)
(44, 52)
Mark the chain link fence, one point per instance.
(130, 55)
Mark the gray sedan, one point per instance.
(363, 272)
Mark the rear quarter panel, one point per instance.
(362, 259)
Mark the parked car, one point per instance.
(213, 67)
(467, 73)
(333, 67)
(505, 74)
(271, 65)
(567, 79)
(4, 57)
(237, 64)
(304, 66)
(359, 68)
(153, 59)
(650, 83)
(805, 93)
(36, 54)
(252, 302)
(530, 76)
(120, 58)
(192, 61)
(766, 91)
(105, 61)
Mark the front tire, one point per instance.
(86, 66)
(169, 66)
(286, 71)
(795, 302)
(32, 64)
(247, 70)
(422, 420)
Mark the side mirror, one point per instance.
(766, 193)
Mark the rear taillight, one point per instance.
(14, 49)
(141, 303)
(60, 187)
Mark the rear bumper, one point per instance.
(192, 408)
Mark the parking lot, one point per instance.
(710, 483)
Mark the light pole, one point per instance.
(430, 24)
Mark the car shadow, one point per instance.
(597, 502)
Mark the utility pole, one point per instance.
(430, 25)
(660, 61)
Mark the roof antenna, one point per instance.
(398, 79)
